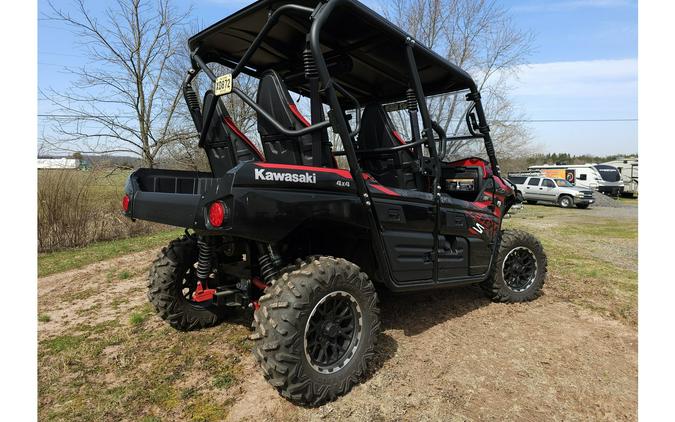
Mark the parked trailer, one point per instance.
(628, 168)
(600, 177)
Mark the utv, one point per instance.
(302, 242)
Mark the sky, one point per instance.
(583, 67)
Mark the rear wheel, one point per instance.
(172, 283)
(316, 329)
(519, 270)
(519, 197)
(565, 201)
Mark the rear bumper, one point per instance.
(611, 190)
(175, 198)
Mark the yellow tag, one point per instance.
(223, 85)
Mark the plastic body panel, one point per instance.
(268, 202)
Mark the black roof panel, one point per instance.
(367, 51)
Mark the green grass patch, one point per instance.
(44, 318)
(56, 262)
(602, 229)
(63, 343)
(124, 275)
(223, 380)
(578, 270)
(142, 315)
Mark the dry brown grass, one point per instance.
(76, 208)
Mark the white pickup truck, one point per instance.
(546, 189)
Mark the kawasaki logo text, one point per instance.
(262, 174)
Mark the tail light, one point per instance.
(125, 203)
(218, 213)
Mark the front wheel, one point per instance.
(565, 201)
(519, 269)
(315, 330)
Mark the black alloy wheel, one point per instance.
(333, 332)
(519, 269)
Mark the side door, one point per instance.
(407, 219)
(548, 190)
(531, 189)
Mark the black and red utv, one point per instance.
(286, 232)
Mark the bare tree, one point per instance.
(478, 36)
(121, 101)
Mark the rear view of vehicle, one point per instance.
(285, 232)
(609, 180)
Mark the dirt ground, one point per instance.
(442, 356)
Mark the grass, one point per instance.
(142, 315)
(146, 371)
(44, 318)
(584, 260)
(56, 262)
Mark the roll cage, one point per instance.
(339, 67)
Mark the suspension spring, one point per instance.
(191, 98)
(311, 71)
(411, 100)
(269, 265)
(205, 262)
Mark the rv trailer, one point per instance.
(628, 168)
(599, 177)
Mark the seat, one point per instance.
(274, 98)
(225, 145)
(377, 131)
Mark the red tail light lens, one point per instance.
(125, 203)
(217, 212)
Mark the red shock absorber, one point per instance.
(204, 264)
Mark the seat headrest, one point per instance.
(378, 131)
(273, 97)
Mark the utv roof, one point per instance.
(365, 52)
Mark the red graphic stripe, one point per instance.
(296, 112)
(398, 137)
(235, 129)
(384, 189)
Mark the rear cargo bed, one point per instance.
(167, 196)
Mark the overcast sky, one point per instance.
(584, 67)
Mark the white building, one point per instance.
(59, 163)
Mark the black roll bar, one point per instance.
(239, 93)
(276, 124)
(390, 149)
(357, 107)
(424, 111)
(271, 21)
(321, 14)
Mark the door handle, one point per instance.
(541, 188)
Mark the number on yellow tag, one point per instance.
(223, 85)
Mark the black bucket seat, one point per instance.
(274, 98)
